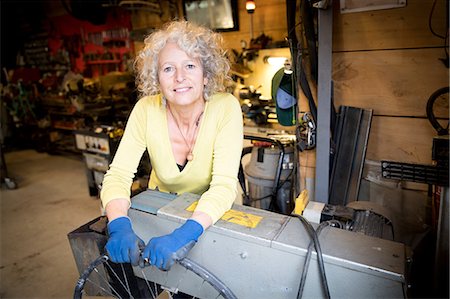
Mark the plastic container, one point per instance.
(260, 174)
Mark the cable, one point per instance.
(273, 205)
(261, 198)
(332, 223)
(430, 114)
(314, 240)
(429, 21)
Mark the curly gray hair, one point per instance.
(197, 42)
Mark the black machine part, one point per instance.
(351, 137)
(362, 217)
(419, 173)
(440, 149)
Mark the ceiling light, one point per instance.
(250, 6)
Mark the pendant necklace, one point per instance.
(190, 145)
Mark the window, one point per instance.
(219, 15)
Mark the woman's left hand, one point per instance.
(163, 251)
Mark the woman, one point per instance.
(192, 132)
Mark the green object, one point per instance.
(283, 96)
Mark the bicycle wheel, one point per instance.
(104, 278)
(437, 110)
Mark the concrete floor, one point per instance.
(52, 200)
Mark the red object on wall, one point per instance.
(91, 47)
(26, 74)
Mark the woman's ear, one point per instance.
(205, 80)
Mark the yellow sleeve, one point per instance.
(226, 160)
(119, 177)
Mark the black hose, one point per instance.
(315, 239)
(430, 114)
(304, 271)
(430, 17)
(308, 255)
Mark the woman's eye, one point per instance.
(167, 69)
(191, 66)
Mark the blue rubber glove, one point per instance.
(163, 251)
(123, 244)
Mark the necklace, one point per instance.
(190, 145)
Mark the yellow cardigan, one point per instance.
(217, 153)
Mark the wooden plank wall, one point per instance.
(389, 61)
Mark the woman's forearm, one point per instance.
(117, 208)
(204, 219)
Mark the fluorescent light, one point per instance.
(275, 60)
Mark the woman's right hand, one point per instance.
(123, 245)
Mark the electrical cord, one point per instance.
(333, 223)
(314, 241)
(274, 201)
(430, 114)
(430, 17)
(430, 26)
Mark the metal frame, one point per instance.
(351, 138)
(324, 105)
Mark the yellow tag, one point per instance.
(233, 216)
(192, 207)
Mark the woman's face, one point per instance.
(180, 76)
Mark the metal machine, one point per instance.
(98, 147)
(260, 254)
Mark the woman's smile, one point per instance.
(181, 76)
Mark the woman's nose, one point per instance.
(179, 76)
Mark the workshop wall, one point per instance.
(389, 61)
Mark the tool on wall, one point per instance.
(306, 133)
